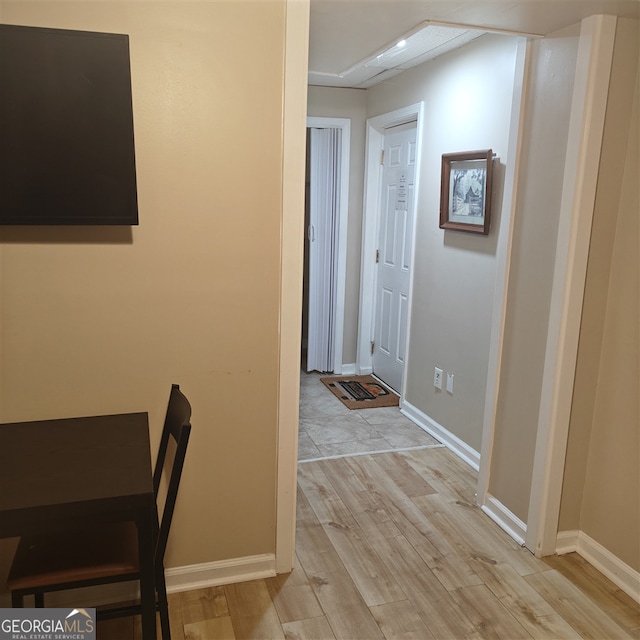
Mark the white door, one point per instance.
(393, 259)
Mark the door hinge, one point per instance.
(373, 346)
(382, 157)
(377, 256)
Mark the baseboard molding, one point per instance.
(213, 574)
(567, 542)
(505, 519)
(448, 439)
(620, 573)
(196, 576)
(348, 370)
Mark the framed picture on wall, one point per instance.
(465, 192)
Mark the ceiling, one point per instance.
(344, 34)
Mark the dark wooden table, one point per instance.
(55, 473)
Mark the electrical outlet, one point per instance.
(450, 383)
(437, 378)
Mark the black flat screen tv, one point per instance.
(67, 154)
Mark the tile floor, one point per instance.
(328, 429)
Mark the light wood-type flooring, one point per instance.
(391, 545)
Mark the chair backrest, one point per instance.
(178, 427)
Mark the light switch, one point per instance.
(450, 382)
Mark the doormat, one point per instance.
(361, 392)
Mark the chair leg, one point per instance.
(17, 600)
(163, 605)
(164, 622)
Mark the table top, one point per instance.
(73, 468)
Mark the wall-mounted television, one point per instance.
(67, 154)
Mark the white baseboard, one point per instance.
(197, 576)
(567, 542)
(505, 519)
(448, 439)
(347, 370)
(620, 573)
(213, 574)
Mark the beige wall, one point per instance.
(601, 491)
(103, 320)
(467, 98)
(329, 102)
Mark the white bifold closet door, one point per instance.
(324, 199)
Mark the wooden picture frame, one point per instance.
(465, 192)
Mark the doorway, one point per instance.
(325, 255)
(391, 184)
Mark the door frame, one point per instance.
(376, 127)
(343, 216)
(582, 165)
(296, 69)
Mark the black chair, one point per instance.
(108, 552)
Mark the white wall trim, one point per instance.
(567, 542)
(620, 573)
(371, 216)
(593, 70)
(344, 124)
(291, 270)
(213, 574)
(448, 439)
(505, 519)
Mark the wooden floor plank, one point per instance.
(332, 584)
(404, 475)
(252, 612)
(598, 587)
(439, 553)
(450, 476)
(423, 589)
(203, 604)
(451, 525)
(490, 618)
(311, 629)
(293, 596)
(357, 489)
(176, 619)
(378, 483)
(220, 628)
(400, 621)
(575, 607)
(429, 543)
(370, 574)
(523, 602)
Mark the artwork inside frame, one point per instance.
(465, 192)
